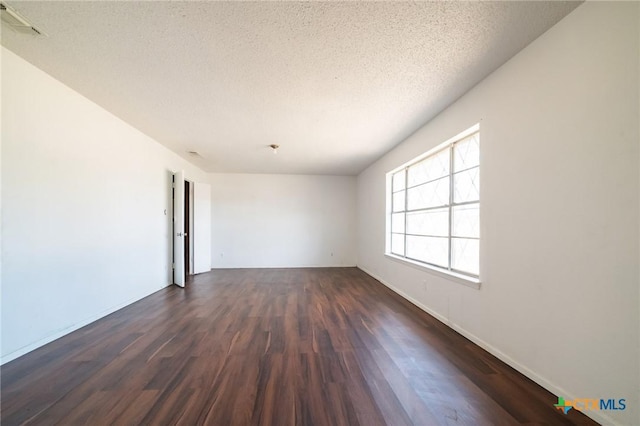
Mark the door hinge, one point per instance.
(173, 266)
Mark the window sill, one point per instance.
(443, 273)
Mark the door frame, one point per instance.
(188, 227)
(177, 234)
(184, 238)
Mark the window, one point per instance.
(434, 200)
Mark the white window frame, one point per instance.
(459, 276)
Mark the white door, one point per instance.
(178, 228)
(201, 228)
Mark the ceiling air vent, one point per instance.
(13, 20)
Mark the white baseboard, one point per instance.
(60, 333)
(283, 267)
(598, 416)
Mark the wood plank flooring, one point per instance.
(323, 346)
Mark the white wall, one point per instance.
(202, 226)
(559, 216)
(84, 194)
(282, 220)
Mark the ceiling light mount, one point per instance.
(274, 147)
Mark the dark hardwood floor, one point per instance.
(273, 347)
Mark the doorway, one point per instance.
(191, 253)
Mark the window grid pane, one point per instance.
(397, 244)
(399, 181)
(432, 194)
(466, 221)
(466, 186)
(397, 223)
(398, 201)
(466, 153)
(433, 250)
(429, 223)
(465, 255)
(431, 168)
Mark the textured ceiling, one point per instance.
(335, 84)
